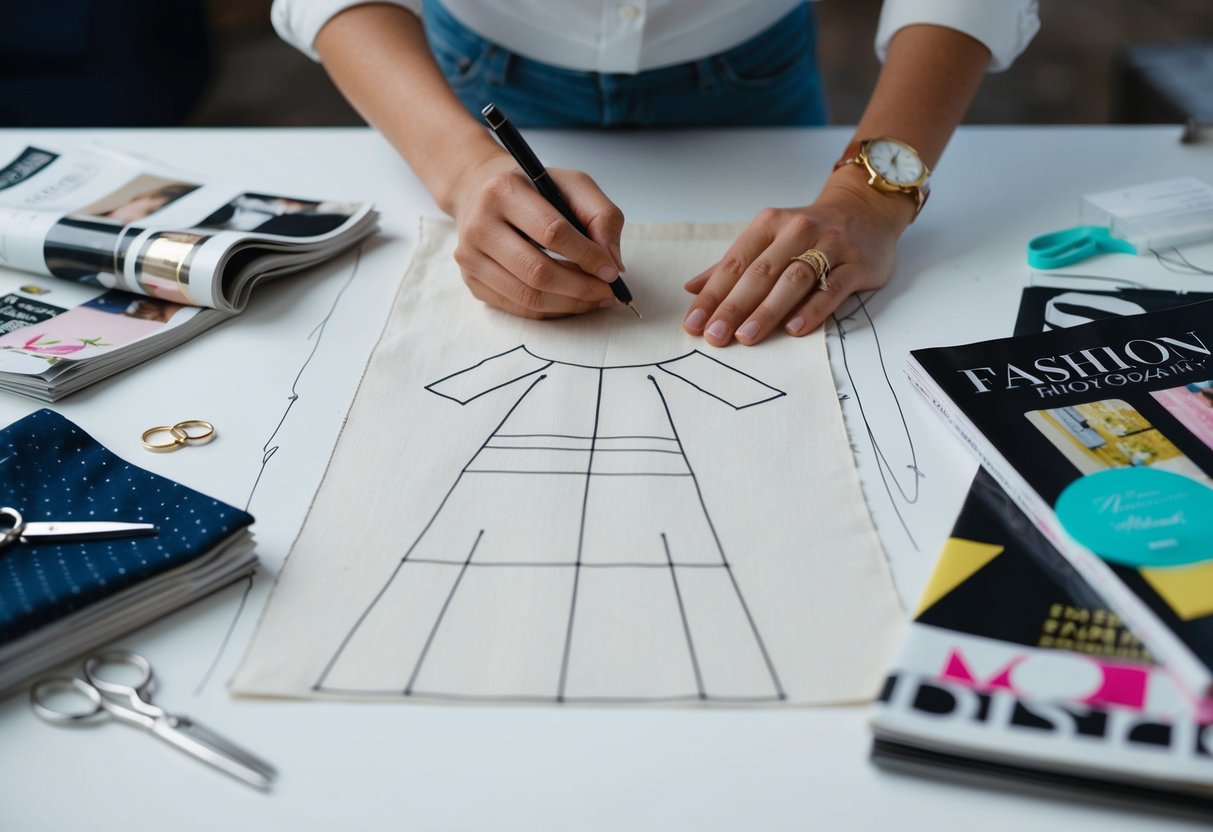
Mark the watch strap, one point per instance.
(850, 156)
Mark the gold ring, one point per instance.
(205, 433)
(178, 438)
(817, 260)
(179, 434)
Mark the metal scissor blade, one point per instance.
(53, 530)
(211, 748)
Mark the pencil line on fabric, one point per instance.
(585, 499)
(429, 641)
(766, 655)
(404, 559)
(540, 699)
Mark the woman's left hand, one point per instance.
(757, 286)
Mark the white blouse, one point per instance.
(629, 36)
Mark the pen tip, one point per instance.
(632, 306)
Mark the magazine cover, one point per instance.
(106, 260)
(1103, 435)
(1061, 307)
(1011, 671)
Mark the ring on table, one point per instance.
(178, 435)
(818, 262)
(176, 440)
(203, 431)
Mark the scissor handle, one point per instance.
(41, 693)
(1061, 248)
(13, 533)
(1069, 246)
(135, 691)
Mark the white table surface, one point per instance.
(277, 382)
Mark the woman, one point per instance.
(657, 63)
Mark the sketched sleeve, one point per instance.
(490, 374)
(720, 381)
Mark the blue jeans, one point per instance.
(771, 79)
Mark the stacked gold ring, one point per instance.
(820, 265)
(189, 432)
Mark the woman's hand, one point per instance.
(378, 55)
(498, 213)
(757, 286)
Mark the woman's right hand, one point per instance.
(498, 213)
(378, 55)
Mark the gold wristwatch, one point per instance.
(893, 167)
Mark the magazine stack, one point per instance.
(1065, 640)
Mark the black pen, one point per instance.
(512, 140)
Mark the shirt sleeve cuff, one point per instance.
(1005, 27)
(299, 21)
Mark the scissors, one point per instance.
(130, 702)
(64, 530)
(1064, 248)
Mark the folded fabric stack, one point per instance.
(60, 599)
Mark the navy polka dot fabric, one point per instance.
(50, 469)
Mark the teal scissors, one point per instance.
(100, 693)
(1063, 248)
(13, 528)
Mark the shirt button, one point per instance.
(629, 13)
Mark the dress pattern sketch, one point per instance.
(583, 510)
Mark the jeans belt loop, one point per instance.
(497, 64)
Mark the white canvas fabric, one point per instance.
(597, 509)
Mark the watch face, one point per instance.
(896, 162)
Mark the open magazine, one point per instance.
(107, 260)
(1051, 414)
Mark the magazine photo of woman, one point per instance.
(140, 198)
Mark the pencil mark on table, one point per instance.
(889, 478)
(269, 449)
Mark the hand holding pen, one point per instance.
(513, 142)
(500, 216)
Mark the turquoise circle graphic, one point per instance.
(1140, 517)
